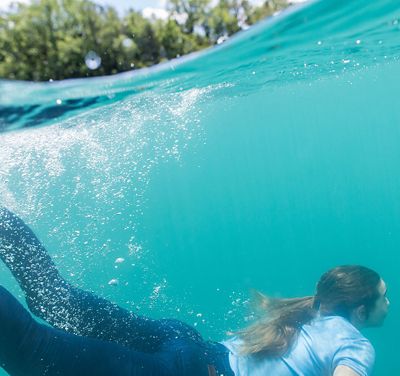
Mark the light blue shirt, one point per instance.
(321, 346)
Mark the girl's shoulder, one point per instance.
(336, 332)
(335, 323)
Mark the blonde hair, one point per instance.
(274, 332)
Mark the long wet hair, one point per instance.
(339, 291)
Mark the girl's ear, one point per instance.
(360, 314)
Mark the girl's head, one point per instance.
(351, 291)
(354, 292)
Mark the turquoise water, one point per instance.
(257, 164)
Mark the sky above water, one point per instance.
(121, 5)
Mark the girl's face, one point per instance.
(379, 311)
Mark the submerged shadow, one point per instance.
(17, 117)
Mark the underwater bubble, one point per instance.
(134, 249)
(119, 260)
(59, 101)
(113, 282)
(92, 60)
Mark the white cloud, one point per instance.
(4, 4)
(155, 13)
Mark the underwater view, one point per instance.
(260, 163)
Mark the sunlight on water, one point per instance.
(149, 132)
(46, 172)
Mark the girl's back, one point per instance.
(321, 346)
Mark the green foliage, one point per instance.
(227, 18)
(175, 42)
(196, 11)
(268, 8)
(49, 39)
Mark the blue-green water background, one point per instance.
(257, 164)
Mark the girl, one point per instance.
(315, 335)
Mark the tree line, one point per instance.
(58, 39)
